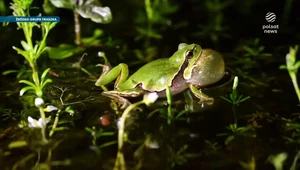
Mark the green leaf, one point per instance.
(191, 155)
(25, 46)
(183, 149)
(60, 129)
(63, 51)
(249, 50)
(233, 127)
(70, 110)
(46, 82)
(99, 134)
(35, 48)
(9, 72)
(45, 27)
(23, 4)
(42, 166)
(68, 4)
(244, 99)
(150, 33)
(44, 75)
(52, 25)
(2, 8)
(23, 53)
(92, 9)
(261, 48)
(266, 55)
(43, 50)
(48, 8)
(180, 114)
(17, 144)
(24, 89)
(224, 98)
(107, 144)
(245, 128)
(90, 41)
(64, 121)
(297, 64)
(229, 139)
(27, 82)
(89, 129)
(283, 67)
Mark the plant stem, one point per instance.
(293, 167)
(42, 45)
(35, 76)
(43, 129)
(234, 114)
(77, 29)
(149, 11)
(36, 80)
(120, 162)
(54, 124)
(169, 101)
(295, 83)
(27, 29)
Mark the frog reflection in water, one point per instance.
(189, 67)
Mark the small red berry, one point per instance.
(104, 120)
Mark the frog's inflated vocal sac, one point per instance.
(189, 67)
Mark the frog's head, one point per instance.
(185, 52)
(208, 69)
(192, 53)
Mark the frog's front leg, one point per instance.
(120, 73)
(118, 96)
(203, 97)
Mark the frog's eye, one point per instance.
(189, 54)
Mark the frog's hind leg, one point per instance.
(203, 97)
(120, 73)
(118, 99)
(119, 96)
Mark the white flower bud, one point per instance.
(101, 54)
(38, 102)
(150, 98)
(235, 83)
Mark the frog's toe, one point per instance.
(208, 101)
(118, 99)
(125, 104)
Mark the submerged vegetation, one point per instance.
(58, 112)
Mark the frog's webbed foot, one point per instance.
(118, 99)
(106, 68)
(207, 100)
(119, 96)
(204, 99)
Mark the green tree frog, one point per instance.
(189, 67)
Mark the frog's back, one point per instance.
(154, 76)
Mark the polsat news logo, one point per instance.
(269, 29)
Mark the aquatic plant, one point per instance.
(148, 99)
(292, 67)
(235, 99)
(31, 52)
